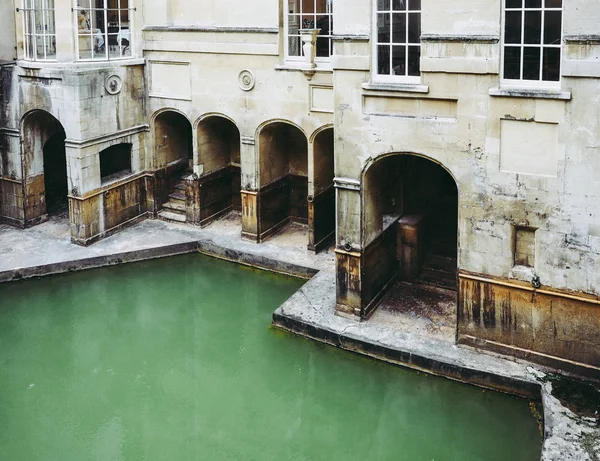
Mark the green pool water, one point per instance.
(174, 359)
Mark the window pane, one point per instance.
(399, 27)
(533, 3)
(553, 3)
(552, 26)
(551, 69)
(399, 5)
(512, 63)
(512, 27)
(414, 64)
(322, 47)
(398, 60)
(383, 5)
(531, 63)
(514, 3)
(308, 6)
(414, 5)
(383, 28)
(533, 27)
(414, 28)
(308, 22)
(383, 60)
(294, 45)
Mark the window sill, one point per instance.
(530, 93)
(83, 64)
(301, 66)
(396, 87)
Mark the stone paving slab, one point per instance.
(47, 248)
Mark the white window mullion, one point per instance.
(541, 73)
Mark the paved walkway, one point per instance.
(49, 243)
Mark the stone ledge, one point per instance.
(530, 93)
(396, 87)
(222, 29)
(460, 38)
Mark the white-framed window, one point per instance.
(531, 45)
(397, 43)
(104, 29)
(39, 31)
(308, 14)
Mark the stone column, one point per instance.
(348, 248)
(249, 190)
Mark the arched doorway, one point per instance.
(410, 215)
(321, 206)
(172, 139)
(173, 160)
(283, 180)
(44, 166)
(219, 166)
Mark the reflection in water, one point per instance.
(173, 360)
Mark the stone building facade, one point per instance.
(461, 134)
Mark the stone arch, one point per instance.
(218, 186)
(219, 142)
(172, 138)
(321, 206)
(283, 175)
(409, 225)
(44, 165)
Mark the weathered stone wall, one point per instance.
(519, 159)
(8, 42)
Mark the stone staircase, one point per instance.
(438, 270)
(174, 209)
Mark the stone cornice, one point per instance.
(435, 38)
(212, 29)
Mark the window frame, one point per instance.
(30, 38)
(319, 60)
(385, 78)
(104, 55)
(531, 84)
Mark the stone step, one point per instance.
(170, 216)
(437, 278)
(180, 186)
(177, 195)
(175, 206)
(440, 263)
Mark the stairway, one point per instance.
(438, 270)
(174, 209)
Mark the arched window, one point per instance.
(103, 29)
(39, 30)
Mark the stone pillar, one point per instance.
(348, 247)
(250, 197)
(192, 200)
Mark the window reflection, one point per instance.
(39, 29)
(103, 30)
(310, 14)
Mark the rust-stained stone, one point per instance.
(551, 327)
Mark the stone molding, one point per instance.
(80, 144)
(460, 38)
(582, 39)
(351, 37)
(222, 29)
(347, 183)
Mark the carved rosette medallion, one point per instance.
(246, 80)
(113, 84)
